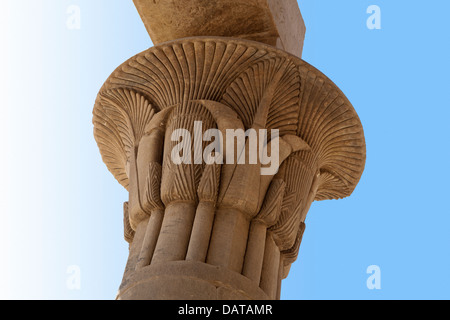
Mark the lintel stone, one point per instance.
(275, 22)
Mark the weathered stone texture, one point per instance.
(274, 22)
(228, 216)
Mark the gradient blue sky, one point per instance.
(59, 205)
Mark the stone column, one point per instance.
(222, 230)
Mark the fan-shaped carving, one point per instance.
(331, 187)
(120, 117)
(330, 125)
(245, 94)
(181, 71)
(236, 73)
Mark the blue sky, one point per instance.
(59, 205)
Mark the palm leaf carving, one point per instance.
(120, 118)
(245, 94)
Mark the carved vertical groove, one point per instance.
(271, 264)
(202, 228)
(128, 231)
(266, 218)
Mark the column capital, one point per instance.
(224, 215)
(234, 73)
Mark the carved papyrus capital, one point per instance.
(225, 215)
